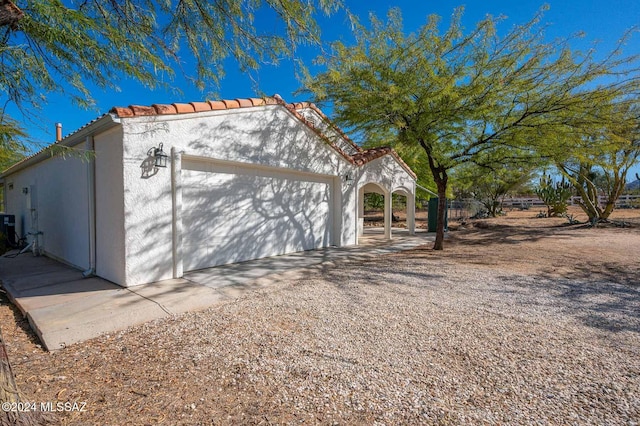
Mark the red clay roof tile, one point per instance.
(368, 155)
(216, 105)
(122, 112)
(244, 103)
(163, 109)
(184, 108)
(201, 106)
(231, 103)
(142, 110)
(258, 101)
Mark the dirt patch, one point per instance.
(549, 247)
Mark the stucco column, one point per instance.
(411, 213)
(176, 211)
(388, 211)
(360, 220)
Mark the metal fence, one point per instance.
(463, 209)
(624, 201)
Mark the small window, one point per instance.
(10, 185)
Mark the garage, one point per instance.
(233, 212)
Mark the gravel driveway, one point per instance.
(519, 321)
(391, 342)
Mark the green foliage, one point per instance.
(600, 166)
(467, 97)
(63, 46)
(11, 147)
(555, 195)
(490, 186)
(373, 201)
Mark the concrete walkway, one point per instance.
(64, 308)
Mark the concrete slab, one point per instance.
(178, 296)
(64, 308)
(244, 274)
(58, 293)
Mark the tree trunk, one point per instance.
(440, 177)
(441, 182)
(9, 394)
(9, 13)
(619, 180)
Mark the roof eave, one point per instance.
(103, 123)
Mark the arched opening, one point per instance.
(372, 202)
(403, 219)
(380, 210)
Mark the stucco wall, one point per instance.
(388, 173)
(232, 214)
(268, 136)
(57, 190)
(109, 184)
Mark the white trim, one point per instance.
(176, 212)
(91, 189)
(226, 166)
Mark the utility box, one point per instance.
(8, 228)
(432, 219)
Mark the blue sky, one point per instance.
(603, 21)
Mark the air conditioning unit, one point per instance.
(8, 228)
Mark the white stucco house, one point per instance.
(244, 179)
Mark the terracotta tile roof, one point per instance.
(359, 159)
(178, 108)
(312, 106)
(363, 157)
(165, 109)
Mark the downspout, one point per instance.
(176, 212)
(91, 195)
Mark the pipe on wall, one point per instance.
(91, 198)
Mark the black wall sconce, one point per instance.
(348, 178)
(159, 156)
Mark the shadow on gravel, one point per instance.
(379, 273)
(486, 233)
(611, 272)
(610, 306)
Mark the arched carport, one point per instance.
(379, 187)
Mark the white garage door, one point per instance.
(237, 213)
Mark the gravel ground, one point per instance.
(408, 339)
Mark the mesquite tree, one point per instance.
(490, 185)
(461, 96)
(598, 169)
(68, 46)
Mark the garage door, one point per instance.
(236, 213)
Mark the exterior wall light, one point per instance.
(159, 156)
(348, 177)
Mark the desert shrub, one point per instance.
(555, 195)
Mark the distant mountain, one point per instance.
(631, 186)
